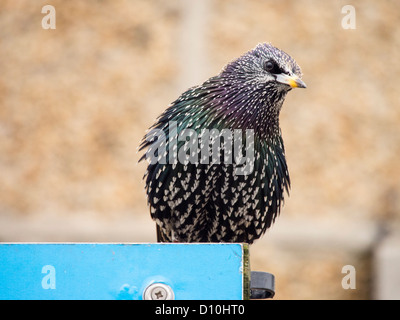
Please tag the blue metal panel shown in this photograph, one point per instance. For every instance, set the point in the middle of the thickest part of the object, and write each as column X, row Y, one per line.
column 120, row 271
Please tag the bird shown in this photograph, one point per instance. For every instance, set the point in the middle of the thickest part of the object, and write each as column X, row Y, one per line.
column 197, row 196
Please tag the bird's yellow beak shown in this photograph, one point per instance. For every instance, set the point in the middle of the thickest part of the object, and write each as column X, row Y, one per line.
column 293, row 81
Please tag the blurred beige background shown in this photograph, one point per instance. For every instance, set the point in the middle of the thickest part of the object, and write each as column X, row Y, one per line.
column 75, row 102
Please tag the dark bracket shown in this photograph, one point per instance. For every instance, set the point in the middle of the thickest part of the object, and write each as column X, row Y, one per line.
column 262, row 285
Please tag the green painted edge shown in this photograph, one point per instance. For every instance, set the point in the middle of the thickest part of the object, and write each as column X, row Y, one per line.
column 246, row 271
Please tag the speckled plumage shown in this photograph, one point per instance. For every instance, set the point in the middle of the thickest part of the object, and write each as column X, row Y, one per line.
column 207, row 201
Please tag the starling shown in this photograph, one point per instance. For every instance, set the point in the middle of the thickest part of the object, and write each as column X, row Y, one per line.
column 196, row 195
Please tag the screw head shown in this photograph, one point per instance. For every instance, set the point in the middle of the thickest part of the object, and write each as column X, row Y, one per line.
column 158, row 291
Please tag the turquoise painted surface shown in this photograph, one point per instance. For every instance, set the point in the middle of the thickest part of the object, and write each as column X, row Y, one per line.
column 119, row 271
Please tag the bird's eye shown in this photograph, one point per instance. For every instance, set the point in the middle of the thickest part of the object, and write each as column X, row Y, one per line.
column 272, row 67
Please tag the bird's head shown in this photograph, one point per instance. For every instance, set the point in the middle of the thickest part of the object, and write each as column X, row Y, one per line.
column 257, row 83
column 267, row 66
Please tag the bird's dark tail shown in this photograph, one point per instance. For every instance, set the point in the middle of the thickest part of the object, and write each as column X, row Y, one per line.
column 160, row 235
